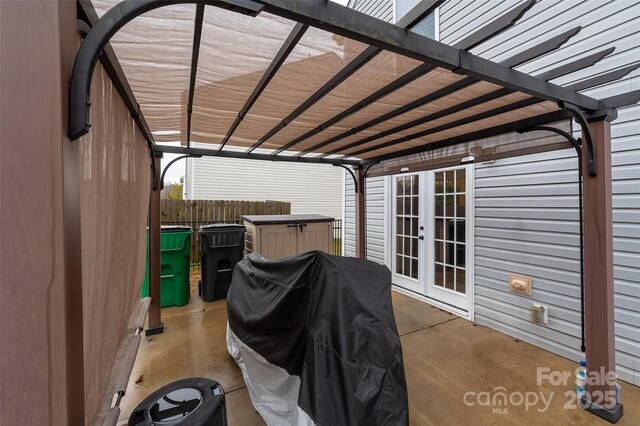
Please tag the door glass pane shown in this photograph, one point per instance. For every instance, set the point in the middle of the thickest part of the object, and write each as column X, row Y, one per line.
column 414, row 268
column 450, row 230
column 407, row 215
column 438, row 278
column 439, row 252
column 460, row 181
column 439, row 205
column 449, row 182
column 460, row 205
column 460, row 281
column 450, row 208
column 448, row 277
column 439, row 229
column 439, row 182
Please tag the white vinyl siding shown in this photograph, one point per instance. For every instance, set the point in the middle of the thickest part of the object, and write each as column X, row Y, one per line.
column 375, row 207
column 526, row 207
column 381, row 9
column 310, row 188
column 375, row 218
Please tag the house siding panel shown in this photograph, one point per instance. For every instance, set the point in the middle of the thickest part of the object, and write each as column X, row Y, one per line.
column 375, row 227
column 381, row 9
column 375, row 198
column 310, row 188
column 526, row 207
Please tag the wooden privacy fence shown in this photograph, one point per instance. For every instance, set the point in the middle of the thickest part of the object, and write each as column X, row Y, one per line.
column 195, row 213
column 211, row 211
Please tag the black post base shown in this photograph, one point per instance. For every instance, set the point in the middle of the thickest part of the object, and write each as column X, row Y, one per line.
column 612, row 415
column 155, row 330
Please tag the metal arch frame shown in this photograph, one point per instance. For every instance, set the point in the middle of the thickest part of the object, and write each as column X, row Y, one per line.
column 353, row 176
column 582, row 121
column 100, row 35
column 181, row 157
column 116, row 74
column 325, row 16
column 577, row 145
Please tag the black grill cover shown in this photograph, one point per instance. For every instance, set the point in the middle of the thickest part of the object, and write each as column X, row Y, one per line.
column 328, row 320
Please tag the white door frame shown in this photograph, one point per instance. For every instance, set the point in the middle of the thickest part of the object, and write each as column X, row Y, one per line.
column 426, row 271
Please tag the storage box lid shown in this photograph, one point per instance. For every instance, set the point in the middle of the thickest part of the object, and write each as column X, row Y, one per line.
column 286, row 218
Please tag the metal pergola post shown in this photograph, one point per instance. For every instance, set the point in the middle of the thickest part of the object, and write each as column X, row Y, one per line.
column 155, row 325
column 361, row 214
column 598, row 275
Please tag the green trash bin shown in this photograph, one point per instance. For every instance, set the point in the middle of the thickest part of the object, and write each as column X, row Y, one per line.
column 175, row 246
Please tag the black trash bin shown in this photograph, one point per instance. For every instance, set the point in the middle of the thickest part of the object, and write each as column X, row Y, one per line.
column 196, row 401
column 221, row 246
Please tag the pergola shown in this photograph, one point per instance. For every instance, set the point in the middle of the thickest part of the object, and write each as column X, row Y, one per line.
column 311, row 81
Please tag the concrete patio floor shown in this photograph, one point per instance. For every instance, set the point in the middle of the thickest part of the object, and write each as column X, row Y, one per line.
column 445, row 357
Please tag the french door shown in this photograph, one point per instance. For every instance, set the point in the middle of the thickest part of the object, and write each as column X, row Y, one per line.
column 432, row 232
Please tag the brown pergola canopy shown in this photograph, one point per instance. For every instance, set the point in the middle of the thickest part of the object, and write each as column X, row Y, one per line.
column 317, row 82
column 313, row 81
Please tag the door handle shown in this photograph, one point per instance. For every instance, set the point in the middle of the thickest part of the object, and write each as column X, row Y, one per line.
column 421, row 237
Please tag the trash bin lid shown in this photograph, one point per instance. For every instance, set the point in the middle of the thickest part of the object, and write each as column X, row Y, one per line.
column 193, row 401
column 175, row 228
column 222, row 226
column 175, row 405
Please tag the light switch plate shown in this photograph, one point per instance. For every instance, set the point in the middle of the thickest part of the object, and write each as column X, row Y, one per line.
column 520, row 284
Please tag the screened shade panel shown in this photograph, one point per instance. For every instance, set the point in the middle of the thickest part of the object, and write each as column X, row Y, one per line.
column 235, row 52
column 483, row 149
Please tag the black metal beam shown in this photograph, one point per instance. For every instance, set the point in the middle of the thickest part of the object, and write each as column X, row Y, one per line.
column 476, row 117
column 490, row 30
column 576, row 65
column 540, row 49
column 252, row 156
column 195, row 54
column 324, row 15
column 346, row 22
column 423, row 120
column 413, row 17
column 402, row 81
column 438, row 94
column 556, row 72
column 418, row 13
column 289, row 44
column 481, row 134
column 365, row 56
column 604, row 78
column 623, row 100
column 495, row 27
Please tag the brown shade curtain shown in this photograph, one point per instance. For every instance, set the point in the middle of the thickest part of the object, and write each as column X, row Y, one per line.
column 155, row 52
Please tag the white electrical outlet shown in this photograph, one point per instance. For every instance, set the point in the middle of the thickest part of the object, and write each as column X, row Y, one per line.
column 539, row 314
